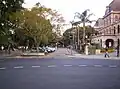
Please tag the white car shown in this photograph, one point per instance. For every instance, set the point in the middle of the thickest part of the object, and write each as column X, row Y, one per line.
column 51, row 49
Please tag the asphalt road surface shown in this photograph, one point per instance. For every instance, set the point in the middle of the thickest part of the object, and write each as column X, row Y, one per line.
column 59, row 73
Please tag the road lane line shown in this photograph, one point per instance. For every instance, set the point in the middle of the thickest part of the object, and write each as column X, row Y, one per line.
column 52, row 66
column 35, row 66
column 67, row 65
column 2, row 68
column 112, row 66
column 18, row 67
column 82, row 65
column 98, row 66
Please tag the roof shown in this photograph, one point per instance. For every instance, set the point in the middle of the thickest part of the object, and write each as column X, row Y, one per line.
column 115, row 5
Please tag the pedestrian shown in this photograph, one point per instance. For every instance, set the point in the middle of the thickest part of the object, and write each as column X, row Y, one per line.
column 106, row 52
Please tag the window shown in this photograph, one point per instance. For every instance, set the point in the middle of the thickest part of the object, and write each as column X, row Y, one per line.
column 118, row 29
column 116, row 18
column 104, row 32
column 110, row 30
column 110, row 19
column 114, row 30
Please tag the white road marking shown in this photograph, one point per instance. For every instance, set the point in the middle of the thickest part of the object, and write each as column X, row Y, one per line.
column 112, row 66
column 52, row 66
column 2, row 68
column 18, row 67
column 67, row 65
column 97, row 65
column 82, row 65
column 35, row 66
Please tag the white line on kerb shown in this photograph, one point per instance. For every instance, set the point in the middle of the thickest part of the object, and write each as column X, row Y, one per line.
column 18, row 67
column 35, row 66
column 52, row 66
column 113, row 66
column 67, row 65
column 82, row 65
column 98, row 65
column 2, row 68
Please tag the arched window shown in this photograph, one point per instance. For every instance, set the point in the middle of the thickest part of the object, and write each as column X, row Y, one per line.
column 118, row 29
column 110, row 31
column 114, row 30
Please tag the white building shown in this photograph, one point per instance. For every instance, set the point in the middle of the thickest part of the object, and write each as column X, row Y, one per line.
column 109, row 26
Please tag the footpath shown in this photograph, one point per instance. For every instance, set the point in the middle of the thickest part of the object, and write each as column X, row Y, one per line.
column 60, row 53
column 64, row 52
column 96, row 56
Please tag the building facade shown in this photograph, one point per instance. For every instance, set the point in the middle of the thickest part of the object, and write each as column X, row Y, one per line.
column 108, row 27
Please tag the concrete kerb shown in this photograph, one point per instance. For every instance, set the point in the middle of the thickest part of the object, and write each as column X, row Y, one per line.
column 22, row 57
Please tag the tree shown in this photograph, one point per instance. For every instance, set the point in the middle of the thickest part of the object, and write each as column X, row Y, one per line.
column 35, row 26
column 7, row 7
column 36, row 23
column 84, row 18
column 32, row 23
column 67, row 36
column 54, row 16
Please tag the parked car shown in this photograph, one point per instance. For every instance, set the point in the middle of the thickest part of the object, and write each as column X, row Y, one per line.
column 44, row 49
column 50, row 49
column 34, row 49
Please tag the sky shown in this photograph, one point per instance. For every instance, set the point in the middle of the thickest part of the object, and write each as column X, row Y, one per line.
column 68, row 7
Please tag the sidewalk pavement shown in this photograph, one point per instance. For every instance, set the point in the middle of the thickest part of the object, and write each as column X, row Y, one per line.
column 3, row 54
column 61, row 52
column 97, row 56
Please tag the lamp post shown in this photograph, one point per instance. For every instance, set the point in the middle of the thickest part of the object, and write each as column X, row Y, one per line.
column 118, row 47
column 86, row 45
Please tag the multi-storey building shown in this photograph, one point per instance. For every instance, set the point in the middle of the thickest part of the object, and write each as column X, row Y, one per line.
column 108, row 27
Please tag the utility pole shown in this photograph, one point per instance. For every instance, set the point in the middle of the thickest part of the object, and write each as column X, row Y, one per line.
column 118, row 47
column 78, row 37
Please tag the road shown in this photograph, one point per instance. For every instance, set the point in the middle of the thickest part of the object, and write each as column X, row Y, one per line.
column 56, row 72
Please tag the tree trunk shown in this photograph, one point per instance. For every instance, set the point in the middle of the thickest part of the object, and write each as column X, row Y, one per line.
column 36, row 44
column 9, row 49
column 83, row 32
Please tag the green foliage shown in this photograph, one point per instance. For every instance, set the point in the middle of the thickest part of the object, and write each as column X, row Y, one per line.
column 110, row 50
column 7, row 7
column 84, row 18
column 36, row 24
column 88, row 30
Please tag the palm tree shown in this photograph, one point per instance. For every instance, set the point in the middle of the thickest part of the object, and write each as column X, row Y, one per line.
column 84, row 18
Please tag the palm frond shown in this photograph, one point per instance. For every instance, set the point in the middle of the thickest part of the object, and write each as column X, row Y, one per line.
column 76, row 23
column 77, row 15
column 90, row 15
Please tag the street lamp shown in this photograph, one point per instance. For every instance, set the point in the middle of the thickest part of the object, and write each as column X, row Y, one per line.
column 86, row 45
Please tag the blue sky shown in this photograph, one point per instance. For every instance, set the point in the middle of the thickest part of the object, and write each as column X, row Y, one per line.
column 68, row 7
